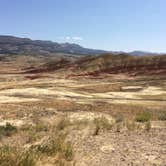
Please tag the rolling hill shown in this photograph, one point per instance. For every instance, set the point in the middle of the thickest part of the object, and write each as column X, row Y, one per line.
column 121, row 63
column 107, row 64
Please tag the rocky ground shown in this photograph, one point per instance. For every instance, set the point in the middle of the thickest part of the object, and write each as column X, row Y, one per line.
column 123, row 148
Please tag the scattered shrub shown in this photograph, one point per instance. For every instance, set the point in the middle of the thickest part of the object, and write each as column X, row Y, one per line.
column 49, row 148
column 7, row 130
column 143, row 117
column 162, row 116
column 6, row 156
column 56, row 146
column 27, row 158
column 67, row 151
column 15, row 157
column 101, row 124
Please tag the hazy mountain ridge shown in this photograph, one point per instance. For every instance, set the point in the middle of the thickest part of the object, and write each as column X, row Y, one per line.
column 16, row 45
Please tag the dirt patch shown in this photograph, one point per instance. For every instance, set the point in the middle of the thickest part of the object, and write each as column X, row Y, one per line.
column 89, row 116
column 8, row 99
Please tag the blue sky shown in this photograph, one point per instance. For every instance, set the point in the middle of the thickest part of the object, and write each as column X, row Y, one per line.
column 104, row 24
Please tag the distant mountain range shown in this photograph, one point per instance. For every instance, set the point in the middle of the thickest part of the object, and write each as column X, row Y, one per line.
column 16, row 45
column 136, row 53
column 143, row 53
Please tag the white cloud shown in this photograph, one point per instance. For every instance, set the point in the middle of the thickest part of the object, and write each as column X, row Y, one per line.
column 77, row 38
column 71, row 38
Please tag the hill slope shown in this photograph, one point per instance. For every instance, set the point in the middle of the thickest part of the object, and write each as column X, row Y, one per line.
column 107, row 64
column 122, row 63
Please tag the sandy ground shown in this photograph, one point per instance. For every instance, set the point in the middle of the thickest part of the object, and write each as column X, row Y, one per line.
column 28, row 91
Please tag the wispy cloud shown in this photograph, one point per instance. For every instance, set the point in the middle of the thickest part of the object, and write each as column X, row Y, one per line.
column 78, row 38
column 71, row 38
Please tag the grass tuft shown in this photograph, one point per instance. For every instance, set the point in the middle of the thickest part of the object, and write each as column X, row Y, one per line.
column 148, row 126
column 56, row 145
column 101, row 124
column 162, row 116
column 16, row 157
column 131, row 125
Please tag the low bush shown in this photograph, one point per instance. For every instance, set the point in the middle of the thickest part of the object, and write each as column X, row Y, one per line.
column 7, row 130
column 143, row 117
column 101, row 124
column 56, row 145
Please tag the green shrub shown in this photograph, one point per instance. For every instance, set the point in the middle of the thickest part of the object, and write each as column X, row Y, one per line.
column 101, row 124
column 143, row 117
column 7, row 130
